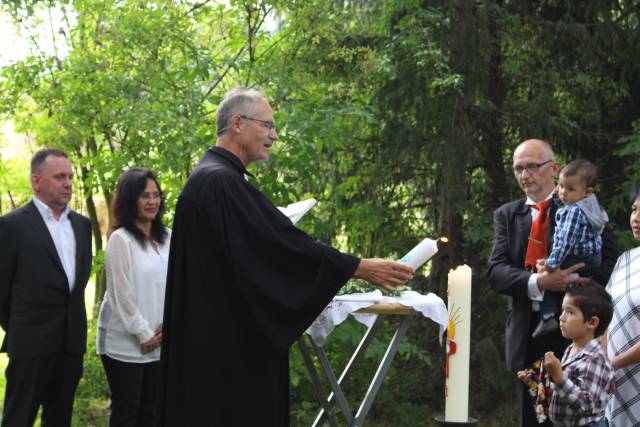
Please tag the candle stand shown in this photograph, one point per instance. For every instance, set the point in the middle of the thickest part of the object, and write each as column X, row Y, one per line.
column 337, row 394
column 440, row 420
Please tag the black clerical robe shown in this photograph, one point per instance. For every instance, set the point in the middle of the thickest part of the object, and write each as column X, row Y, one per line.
column 243, row 284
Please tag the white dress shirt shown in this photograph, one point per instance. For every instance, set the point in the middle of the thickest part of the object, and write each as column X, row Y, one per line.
column 132, row 308
column 63, row 237
column 536, row 295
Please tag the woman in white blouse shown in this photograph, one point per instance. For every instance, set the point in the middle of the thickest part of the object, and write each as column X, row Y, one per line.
column 130, row 322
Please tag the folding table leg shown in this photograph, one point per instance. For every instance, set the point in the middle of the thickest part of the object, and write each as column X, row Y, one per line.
column 333, row 381
column 357, row 355
column 382, row 371
column 318, row 388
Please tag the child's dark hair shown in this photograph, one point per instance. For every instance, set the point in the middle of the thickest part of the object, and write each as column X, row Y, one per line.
column 593, row 300
column 586, row 170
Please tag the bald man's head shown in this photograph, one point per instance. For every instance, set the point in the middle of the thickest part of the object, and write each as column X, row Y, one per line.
column 535, row 167
column 536, row 144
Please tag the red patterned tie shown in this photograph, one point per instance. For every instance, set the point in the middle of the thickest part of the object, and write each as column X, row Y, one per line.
column 537, row 247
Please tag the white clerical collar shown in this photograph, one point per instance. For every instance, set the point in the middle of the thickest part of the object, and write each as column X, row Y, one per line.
column 47, row 212
column 530, row 202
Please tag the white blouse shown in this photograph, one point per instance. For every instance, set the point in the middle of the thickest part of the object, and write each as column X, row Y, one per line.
column 133, row 306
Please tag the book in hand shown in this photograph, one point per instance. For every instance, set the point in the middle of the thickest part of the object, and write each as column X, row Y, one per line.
column 295, row 211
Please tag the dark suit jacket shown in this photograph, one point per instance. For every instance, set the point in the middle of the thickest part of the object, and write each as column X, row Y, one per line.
column 39, row 314
column 512, row 224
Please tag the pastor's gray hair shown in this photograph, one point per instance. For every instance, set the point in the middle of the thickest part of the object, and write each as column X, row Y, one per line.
column 236, row 102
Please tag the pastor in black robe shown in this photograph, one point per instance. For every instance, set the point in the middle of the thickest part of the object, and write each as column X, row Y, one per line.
column 243, row 284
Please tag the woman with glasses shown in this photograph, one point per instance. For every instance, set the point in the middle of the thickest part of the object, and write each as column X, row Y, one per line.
column 130, row 322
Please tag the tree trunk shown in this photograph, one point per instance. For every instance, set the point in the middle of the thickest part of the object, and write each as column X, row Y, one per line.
column 458, row 136
column 13, row 203
column 100, row 284
column 492, row 145
column 101, row 277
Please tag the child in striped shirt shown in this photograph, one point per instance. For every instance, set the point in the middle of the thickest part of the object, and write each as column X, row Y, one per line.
column 581, row 381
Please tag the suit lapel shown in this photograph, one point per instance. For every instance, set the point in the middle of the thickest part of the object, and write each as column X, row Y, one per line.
column 522, row 223
column 40, row 229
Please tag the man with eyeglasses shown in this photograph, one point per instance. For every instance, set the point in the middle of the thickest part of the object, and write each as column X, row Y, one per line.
column 243, row 284
column 523, row 232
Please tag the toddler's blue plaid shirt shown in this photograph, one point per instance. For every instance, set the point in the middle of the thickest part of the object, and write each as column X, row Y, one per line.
column 573, row 236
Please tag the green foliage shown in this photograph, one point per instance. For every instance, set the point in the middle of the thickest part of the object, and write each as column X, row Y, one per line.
column 15, row 187
column 93, row 384
column 339, row 346
column 92, row 395
column 399, row 116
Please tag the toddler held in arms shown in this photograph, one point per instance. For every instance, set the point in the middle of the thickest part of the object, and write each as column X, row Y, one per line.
column 577, row 236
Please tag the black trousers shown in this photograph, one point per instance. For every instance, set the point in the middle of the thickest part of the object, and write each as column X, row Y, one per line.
column 537, row 347
column 50, row 382
column 134, row 388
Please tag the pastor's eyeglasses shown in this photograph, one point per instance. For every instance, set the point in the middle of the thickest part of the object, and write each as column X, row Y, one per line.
column 267, row 124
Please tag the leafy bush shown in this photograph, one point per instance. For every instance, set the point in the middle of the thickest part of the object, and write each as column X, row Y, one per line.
column 92, row 397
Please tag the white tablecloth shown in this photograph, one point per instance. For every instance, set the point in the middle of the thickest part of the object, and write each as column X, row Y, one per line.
column 430, row 306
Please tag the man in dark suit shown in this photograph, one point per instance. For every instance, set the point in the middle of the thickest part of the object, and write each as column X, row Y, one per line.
column 45, row 263
column 535, row 167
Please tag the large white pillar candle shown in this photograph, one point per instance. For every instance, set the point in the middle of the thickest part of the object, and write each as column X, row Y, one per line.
column 458, row 343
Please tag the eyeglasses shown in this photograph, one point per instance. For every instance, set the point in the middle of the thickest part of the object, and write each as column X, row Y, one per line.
column 530, row 168
column 267, row 124
column 149, row 196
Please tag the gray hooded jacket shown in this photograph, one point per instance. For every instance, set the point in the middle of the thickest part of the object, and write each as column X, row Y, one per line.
column 596, row 216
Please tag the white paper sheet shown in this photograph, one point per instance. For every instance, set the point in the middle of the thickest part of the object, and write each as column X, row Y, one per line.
column 295, row 211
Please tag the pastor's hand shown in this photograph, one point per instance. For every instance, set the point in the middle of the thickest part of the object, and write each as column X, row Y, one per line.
column 383, row 273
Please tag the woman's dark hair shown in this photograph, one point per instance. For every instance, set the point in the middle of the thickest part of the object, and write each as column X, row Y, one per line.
column 635, row 193
column 131, row 185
